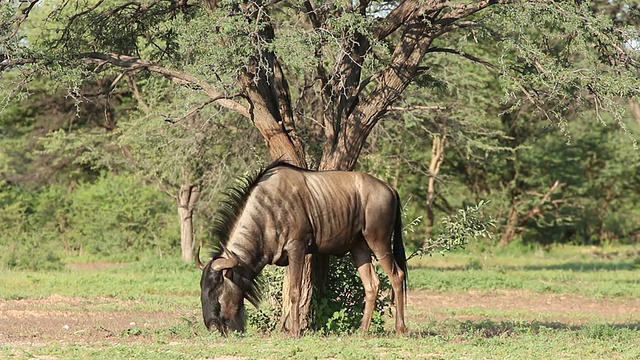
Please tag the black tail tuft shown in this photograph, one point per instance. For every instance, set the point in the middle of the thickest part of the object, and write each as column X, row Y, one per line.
column 398, row 246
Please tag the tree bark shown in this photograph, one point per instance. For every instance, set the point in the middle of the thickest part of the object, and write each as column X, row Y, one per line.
column 187, row 198
column 511, row 226
column 635, row 110
column 437, row 157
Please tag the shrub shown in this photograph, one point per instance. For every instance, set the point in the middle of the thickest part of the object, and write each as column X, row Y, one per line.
column 116, row 217
column 267, row 317
column 29, row 252
column 338, row 310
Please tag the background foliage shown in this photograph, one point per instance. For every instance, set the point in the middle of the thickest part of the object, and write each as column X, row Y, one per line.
column 540, row 119
column 85, row 163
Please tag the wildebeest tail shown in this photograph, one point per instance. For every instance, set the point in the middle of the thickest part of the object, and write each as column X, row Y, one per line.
column 398, row 246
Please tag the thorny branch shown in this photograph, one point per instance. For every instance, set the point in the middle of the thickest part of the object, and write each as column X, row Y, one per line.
column 490, row 66
column 133, row 63
column 18, row 19
column 417, row 107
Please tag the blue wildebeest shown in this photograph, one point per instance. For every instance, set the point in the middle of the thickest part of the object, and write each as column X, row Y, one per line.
column 286, row 212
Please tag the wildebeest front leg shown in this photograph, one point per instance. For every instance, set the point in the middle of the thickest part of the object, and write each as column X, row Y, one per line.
column 295, row 269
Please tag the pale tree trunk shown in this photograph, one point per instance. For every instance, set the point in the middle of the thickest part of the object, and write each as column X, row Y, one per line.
column 635, row 110
column 396, row 170
column 187, row 197
column 306, row 295
column 511, row 226
column 437, row 157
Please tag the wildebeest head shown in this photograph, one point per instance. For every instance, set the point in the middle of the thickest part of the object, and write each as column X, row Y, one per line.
column 222, row 294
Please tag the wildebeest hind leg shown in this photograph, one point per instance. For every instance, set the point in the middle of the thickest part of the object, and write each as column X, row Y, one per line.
column 396, row 275
column 362, row 258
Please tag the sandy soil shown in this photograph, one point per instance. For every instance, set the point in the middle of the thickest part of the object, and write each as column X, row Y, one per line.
column 569, row 309
column 69, row 319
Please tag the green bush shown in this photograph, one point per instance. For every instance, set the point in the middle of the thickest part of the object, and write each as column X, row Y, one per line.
column 28, row 252
column 340, row 308
column 267, row 317
column 116, row 217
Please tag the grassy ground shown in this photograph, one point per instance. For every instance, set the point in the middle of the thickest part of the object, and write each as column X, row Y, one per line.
column 568, row 303
column 593, row 272
column 516, row 343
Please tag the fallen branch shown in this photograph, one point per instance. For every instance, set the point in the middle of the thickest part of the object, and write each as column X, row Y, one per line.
column 537, row 209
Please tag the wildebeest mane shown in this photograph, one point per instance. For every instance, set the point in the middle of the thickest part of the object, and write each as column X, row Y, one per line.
column 229, row 211
column 236, row 198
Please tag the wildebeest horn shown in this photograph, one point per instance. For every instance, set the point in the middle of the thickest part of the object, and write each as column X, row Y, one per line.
column 223, row 263
column 199, row 264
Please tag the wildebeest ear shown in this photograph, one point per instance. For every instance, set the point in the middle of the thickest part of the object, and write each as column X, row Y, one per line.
column 223, row 263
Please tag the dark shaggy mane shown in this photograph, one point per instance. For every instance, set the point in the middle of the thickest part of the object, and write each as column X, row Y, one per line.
column 232, row 206
column 252, row 287
column 229, row 211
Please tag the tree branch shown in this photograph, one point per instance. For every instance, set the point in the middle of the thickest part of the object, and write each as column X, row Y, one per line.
column 18, row 19
column 312, row 14
column 8, row 64
column 138, row 95
column 396, row 18
column 465, row 55
column 459, row 11
column 416, row 107
column 190, row 112
column 133, row 63
column 536, row 210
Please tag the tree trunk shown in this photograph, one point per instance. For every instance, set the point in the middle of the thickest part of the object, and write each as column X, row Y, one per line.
column 187, row 198
column 510, row 228
column 437, row 157
column 306, row 295
column 635, row 110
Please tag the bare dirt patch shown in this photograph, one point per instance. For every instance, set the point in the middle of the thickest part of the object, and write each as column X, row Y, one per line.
column 569, row 309
column 27, row 322
column 74, row 319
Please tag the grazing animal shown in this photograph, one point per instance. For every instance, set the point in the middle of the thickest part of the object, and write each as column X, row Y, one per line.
column 286, row 212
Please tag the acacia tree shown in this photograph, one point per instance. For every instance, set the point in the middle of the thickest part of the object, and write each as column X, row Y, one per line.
column 316, row 77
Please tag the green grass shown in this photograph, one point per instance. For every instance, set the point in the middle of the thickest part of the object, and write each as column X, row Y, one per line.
column 570, row 270
column 450, row 340
column 567, row 270
column 166, row 285
column 159, row 284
